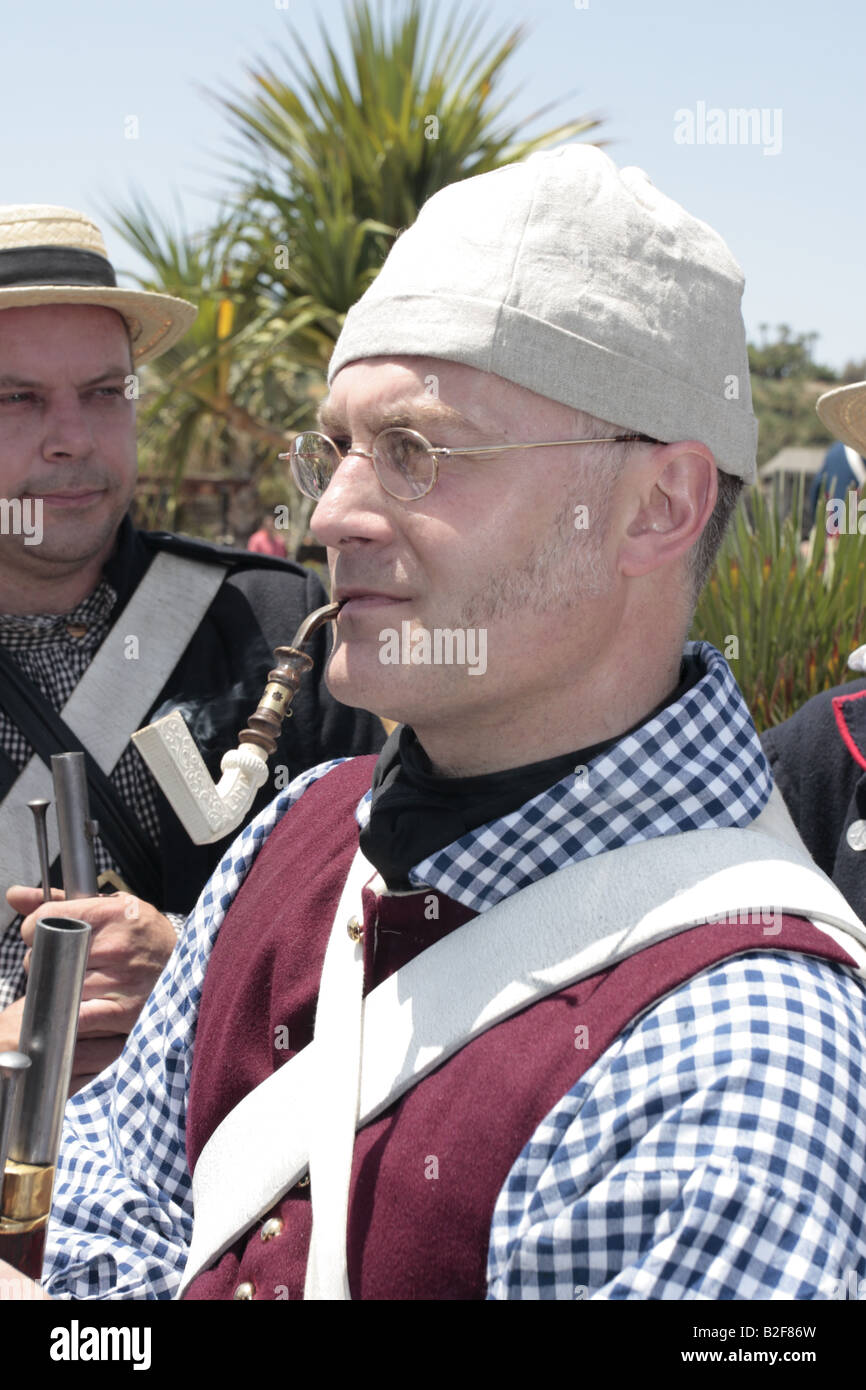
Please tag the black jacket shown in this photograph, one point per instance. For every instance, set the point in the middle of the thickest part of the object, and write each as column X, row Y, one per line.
column 220, row 678
column 818, row 757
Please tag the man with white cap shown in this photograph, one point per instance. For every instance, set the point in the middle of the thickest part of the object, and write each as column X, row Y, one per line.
column 524, row 1061
column 101, row 624
column 818, row 756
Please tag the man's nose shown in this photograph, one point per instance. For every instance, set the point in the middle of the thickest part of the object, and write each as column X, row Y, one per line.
column 353, row 504
column 67, row 432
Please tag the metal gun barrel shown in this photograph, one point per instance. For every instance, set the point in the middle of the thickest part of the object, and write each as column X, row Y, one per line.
column 73, row 822
column 13, row 1066
column 34, row 1083
column 48, row 1031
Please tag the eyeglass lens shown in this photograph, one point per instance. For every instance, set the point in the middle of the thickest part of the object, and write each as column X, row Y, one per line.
column 403, row 464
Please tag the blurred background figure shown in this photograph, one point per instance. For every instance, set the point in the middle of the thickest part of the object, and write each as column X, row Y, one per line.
column 842, row 469
column 818, row 756
column 268, row 540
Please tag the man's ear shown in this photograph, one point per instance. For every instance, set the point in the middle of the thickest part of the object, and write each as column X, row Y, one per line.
column 674, row 493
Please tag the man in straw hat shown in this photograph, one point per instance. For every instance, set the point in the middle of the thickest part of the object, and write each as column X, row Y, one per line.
column 531, row 1057
column 818, row 756
column 197, row 628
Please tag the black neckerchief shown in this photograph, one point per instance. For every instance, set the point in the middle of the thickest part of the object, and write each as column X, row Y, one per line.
column 415, row 812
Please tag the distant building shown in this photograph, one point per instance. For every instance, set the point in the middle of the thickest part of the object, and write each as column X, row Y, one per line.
column 792, row 464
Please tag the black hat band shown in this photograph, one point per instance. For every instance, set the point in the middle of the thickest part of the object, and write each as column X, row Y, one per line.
column 54, row 265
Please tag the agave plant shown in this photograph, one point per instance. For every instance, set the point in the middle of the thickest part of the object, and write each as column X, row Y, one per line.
column 787, row 614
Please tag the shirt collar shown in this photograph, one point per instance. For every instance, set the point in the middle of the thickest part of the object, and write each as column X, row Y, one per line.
column 121, row 572
column 696, row 764
column 39, row 629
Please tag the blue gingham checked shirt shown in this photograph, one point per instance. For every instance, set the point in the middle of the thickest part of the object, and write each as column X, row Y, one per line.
column 716, row 1150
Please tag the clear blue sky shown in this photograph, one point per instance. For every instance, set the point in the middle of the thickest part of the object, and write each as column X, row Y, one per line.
column 795, row 219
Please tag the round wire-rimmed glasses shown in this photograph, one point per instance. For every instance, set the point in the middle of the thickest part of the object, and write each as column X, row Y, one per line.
column 406, row 464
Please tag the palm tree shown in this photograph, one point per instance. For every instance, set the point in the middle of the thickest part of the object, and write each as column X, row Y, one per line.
column 203, row 405
column 333, row 165
column 338, row 163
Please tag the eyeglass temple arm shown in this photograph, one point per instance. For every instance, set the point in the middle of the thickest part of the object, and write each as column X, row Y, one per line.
column 500, row 448
column 552, row 444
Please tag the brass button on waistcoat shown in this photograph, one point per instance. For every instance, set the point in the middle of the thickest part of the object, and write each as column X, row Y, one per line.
column 355, row 930
column 271, row 1228
column 244, row 1292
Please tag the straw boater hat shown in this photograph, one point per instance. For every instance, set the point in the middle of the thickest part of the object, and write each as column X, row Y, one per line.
column 52, row 255
column 843, row 411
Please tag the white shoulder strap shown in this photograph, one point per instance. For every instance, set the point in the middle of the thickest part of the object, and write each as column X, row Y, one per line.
column 338, row 1052
column 115, row 693
column 564, row 928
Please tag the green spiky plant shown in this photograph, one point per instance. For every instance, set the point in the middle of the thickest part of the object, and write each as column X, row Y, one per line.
column 787, row 613
column 340, row 160
column 201, row 403
column 334, row 162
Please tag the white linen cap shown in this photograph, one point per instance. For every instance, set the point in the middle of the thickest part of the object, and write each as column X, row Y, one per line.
column 583, row 283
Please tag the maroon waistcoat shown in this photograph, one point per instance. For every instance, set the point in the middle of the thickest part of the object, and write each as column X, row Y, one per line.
column 427, row 1172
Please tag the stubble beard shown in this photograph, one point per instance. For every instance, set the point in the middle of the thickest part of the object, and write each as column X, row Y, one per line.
column 560, row 572
column 69, row 541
